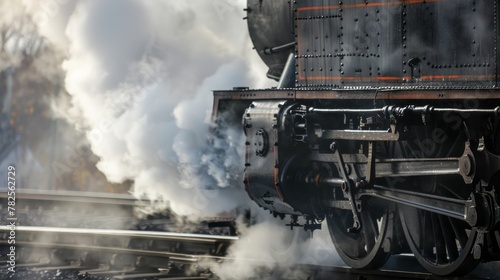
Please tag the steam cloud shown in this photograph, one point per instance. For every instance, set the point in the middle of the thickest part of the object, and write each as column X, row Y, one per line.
column 270, row 250
column 140, row 76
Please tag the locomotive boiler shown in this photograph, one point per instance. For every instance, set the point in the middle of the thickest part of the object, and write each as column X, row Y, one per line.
column 385, row 122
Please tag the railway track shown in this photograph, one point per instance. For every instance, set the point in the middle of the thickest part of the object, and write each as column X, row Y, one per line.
column 117, row 254
column 73, row 209
column 68, row 253
column 76, row 209
column 103, row 253
column 39, row 197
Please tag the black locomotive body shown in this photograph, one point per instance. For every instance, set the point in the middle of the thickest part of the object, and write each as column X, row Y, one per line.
column 385, row 122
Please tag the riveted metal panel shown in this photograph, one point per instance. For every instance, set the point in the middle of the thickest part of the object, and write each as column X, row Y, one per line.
column 453, row 41
column 389, row 43
column 270, row 25
column 348, row 44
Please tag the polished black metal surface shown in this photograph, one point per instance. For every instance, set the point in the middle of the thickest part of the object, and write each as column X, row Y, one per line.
column 396, row 43
column 270, row 24
column 262, row 158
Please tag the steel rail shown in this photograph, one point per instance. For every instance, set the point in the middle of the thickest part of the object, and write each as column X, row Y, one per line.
column 158, row 258
column 74, row 196
column 122, row 251
column 205, row 238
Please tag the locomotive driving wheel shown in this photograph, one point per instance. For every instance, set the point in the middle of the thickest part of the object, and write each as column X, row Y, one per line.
column 363, row 249
column 441, row 244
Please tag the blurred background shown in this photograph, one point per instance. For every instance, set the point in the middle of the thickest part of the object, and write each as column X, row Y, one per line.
column 32, row 136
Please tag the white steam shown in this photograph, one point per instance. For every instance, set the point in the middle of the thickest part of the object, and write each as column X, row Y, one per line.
column 140, row 74
column 270, row 250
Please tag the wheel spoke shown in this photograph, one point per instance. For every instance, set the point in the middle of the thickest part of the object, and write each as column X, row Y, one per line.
column 359, row 249
column 459, row 232
column 370, row 231
column 449, row 238
column 428, row 239
column 362, row 250
column 439, row 242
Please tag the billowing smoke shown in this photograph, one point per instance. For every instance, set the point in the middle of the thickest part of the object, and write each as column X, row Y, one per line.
column 270, row 250
column 140, row 76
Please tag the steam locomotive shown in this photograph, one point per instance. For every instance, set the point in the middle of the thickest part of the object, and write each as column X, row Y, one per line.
column 385, row 122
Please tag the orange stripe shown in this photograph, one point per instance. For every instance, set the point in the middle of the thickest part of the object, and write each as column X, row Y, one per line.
column 388, row 78
column 247, row 186
column 377, row 4
column 454, row 77
column 392, row 78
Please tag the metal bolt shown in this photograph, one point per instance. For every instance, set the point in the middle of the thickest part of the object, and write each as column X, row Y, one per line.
column 359, row 185
column 333, row 147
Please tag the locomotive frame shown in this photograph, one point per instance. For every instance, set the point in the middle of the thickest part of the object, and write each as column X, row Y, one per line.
column 397, row 148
